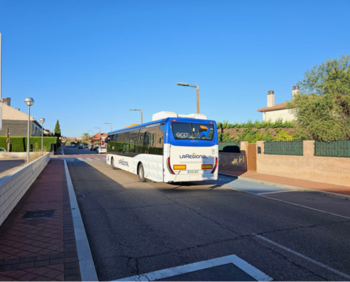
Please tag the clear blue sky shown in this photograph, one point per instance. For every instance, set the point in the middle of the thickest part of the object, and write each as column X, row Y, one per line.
column 87, row 62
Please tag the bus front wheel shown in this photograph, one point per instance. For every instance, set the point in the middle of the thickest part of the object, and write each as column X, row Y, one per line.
column 112, row 163
column 141, row 173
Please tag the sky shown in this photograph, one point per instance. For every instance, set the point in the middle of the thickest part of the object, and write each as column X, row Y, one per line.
column 88, row 62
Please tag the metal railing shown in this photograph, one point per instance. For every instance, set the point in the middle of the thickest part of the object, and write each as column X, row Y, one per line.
column 339, row 149
column 291, row 148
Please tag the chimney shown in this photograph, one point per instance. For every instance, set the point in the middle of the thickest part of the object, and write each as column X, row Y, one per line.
column 7, row 101
column 270, row 98
column 295, row 91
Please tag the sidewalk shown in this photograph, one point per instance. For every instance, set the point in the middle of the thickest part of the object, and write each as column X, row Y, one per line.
column 41, row 245
column 285, row 181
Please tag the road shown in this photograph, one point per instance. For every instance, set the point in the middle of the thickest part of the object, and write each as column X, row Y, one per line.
column 138, row 228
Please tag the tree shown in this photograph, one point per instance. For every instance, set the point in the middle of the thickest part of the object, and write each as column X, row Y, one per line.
column 85, row 138
column 322, row 109
column 57, row 131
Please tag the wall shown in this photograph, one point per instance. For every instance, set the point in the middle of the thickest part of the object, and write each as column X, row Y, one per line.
column 285, row 114
column 307, row 167
column 18, row 127
column 14, row 185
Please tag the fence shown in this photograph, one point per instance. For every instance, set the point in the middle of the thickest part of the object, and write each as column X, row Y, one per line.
column 333, row 149
column 230, row 147
column 292, row 148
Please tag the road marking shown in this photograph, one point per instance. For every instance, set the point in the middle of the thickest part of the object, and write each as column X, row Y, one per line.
column 306, row 258
column 187, row 268
column 342, row 216
column 290, row 203
column 275, row 192
column 86, row 262
column 88, row 159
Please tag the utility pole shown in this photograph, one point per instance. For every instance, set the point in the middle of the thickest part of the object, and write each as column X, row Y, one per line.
column 8, row 139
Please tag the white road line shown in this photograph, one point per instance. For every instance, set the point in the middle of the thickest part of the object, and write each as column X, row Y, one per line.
column 86, row 263
column 88, row 159
column 346, row 276
column 80, row 159
column 342, row 216
column 275, row 192
column 187, row 268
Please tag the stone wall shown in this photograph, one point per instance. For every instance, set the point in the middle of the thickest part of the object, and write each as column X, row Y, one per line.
column 15, row 184
column 307, row 167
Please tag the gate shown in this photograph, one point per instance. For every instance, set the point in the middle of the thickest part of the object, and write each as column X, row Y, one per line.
column 251, row 157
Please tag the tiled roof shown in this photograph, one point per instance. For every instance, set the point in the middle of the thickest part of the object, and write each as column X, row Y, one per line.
column 281, row 106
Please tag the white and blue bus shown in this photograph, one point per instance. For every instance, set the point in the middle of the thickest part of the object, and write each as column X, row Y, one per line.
column 171, row 148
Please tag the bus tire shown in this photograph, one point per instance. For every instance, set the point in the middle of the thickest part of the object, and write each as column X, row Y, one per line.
column 141, row 173
column 112, row 163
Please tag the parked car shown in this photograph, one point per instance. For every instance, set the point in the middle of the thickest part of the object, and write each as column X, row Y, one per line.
column 80, row 147
column 3, row 150
column 101, row 149
column 73, row 145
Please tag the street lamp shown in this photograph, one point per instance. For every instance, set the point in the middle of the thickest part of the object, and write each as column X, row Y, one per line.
column 42, row 120
column 110, row 124
column 29, row 102
column 138, row 111
column 186, row 84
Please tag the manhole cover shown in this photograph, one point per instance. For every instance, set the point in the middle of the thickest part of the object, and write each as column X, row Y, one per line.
column 35, row 214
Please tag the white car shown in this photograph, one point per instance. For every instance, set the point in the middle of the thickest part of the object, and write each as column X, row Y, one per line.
column 101, row 150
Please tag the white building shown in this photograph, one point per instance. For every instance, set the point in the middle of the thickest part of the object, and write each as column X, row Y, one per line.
column 279, row 111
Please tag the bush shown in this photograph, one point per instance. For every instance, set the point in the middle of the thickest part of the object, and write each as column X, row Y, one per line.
column 19, row 144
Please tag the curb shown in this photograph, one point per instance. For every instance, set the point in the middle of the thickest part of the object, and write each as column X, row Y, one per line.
column 298, row 188
column 86, row 263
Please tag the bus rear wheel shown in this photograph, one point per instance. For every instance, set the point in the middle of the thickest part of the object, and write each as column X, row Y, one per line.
column 141, row 173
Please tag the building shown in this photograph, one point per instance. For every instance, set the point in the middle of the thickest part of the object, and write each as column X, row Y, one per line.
column 17, row 121
column 47, row 132
column 279, row 111
column 98, row 137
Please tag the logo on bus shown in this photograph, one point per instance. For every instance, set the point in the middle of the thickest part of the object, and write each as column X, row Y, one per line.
column 193, row 156
column 124, row 163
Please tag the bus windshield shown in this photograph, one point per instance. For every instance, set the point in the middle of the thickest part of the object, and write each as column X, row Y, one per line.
column 192, row 131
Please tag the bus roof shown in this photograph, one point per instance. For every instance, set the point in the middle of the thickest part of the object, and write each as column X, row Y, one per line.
column 144, row 125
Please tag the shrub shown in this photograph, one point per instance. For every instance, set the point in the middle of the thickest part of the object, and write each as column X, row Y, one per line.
column 19, row 144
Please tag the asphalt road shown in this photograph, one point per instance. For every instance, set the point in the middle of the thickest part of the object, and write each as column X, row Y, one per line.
column 135, row 228
column 75, row 151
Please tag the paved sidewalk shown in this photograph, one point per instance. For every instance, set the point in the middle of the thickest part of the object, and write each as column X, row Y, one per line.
column 41, row 248
column 278, row 180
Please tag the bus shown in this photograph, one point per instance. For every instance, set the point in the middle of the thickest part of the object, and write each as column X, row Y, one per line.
column 171, row 148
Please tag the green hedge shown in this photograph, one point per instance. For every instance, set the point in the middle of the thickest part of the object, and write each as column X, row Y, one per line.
column 19, row 144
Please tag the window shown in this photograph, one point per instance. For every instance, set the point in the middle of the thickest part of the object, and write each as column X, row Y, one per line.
column 192, row 131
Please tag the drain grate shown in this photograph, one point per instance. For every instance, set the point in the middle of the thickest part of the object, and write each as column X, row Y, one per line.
column 35, row 214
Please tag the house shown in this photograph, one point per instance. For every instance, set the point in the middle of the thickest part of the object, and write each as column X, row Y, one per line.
column 279, row 111
column 17, row 121
column 98, row 137
column 47, row 132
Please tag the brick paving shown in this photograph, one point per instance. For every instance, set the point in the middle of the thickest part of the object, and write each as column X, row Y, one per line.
column 41, row 248
column 290, row 181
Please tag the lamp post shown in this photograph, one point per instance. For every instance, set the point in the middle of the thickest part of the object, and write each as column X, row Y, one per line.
column 138, row 111
column 42, row 120
column 189, row 85
column 110, row 124
column 29, row 102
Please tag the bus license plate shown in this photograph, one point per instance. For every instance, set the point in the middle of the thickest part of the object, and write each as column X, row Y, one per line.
column 193, row 171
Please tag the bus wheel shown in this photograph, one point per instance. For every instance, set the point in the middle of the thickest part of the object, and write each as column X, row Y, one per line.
column 112, row 163
column 141, row 173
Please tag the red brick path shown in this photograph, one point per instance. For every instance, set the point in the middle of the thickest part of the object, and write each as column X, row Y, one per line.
column 291, row 181
column 41, row 248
